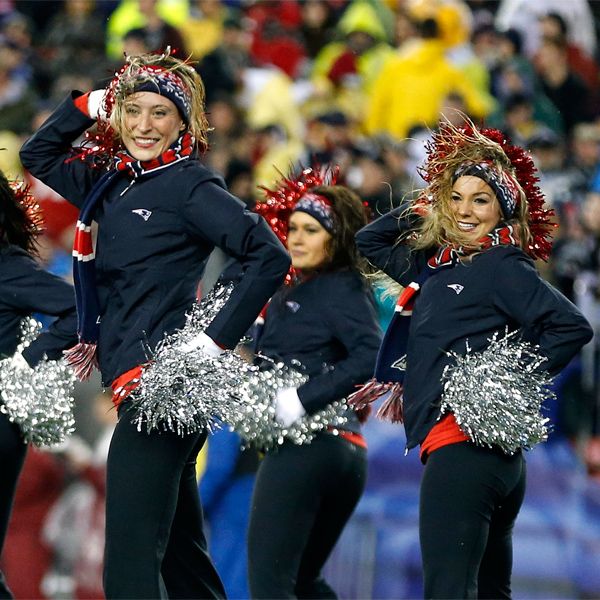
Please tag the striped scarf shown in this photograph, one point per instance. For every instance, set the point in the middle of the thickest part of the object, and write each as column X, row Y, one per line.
column 391, row 360
column 83, row 356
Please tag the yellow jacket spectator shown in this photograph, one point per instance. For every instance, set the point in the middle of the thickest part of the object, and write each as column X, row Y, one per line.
column 345, row 70
column 128, row 15
column 203, row 30
column 412, row 87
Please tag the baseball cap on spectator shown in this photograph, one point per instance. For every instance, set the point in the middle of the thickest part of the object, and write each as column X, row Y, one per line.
column 544, row 138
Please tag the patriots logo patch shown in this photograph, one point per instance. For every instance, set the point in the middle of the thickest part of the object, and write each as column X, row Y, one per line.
column 456, row 287
column 293, row 306
column 400, row 364
column 143, row 212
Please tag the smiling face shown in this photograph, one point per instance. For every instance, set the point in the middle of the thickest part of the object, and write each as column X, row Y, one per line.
column 307, row 241
column 475, row 207
column 151, row 123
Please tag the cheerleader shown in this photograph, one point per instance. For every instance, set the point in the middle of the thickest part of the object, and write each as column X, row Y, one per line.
column 326, row 322
column 463, row 253
column 25, row 288
column 160, row 213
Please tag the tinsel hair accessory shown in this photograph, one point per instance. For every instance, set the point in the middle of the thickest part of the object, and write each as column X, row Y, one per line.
column 451, row 147
column 21, row 220
column 503, row 184
column 39, row 400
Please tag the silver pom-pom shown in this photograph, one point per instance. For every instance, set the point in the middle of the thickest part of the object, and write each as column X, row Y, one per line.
column 38, row 400
column 496, row 395
column 255, row 418
column 185, row 392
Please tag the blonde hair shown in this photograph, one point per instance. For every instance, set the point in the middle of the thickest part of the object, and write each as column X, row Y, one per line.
column 439, row 225
column 134, row 73
column 452, row 147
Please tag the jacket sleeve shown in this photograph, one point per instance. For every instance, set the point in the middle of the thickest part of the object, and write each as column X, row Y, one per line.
column 350, row 313
column 47, row 153
column 555, row 323
column 378, row 242
column 30, row 289
column 214, row 214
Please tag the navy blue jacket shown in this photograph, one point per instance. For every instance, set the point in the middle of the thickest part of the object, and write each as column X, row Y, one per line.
column 328, row 323
column 500, row 288
column 153, row 242
column 25, row 288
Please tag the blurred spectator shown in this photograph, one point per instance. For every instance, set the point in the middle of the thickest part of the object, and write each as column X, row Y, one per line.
column 328, row 139
column 515, row 77
column 565, row 89
column 370, row 178
column 274, row 153
column 226, row 491
column 222, row 69
column 345, row 70
column 75, row 525
column 275, row 35
column 524, row 15
column 74, row 40
column 517, row 119
column 202, row 31
column 453, row 17
column 27, row 558
column 584, row 158
column 413, row 85
column 17, row 98
column 158, row 33
column 553, row 25
column 317, row 25
column 159, row 19
column 134, row 43
column 549, row 155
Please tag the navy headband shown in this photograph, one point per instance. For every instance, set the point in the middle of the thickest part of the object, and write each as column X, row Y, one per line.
column 503, row 184
column 167, row 84
column 319, row 208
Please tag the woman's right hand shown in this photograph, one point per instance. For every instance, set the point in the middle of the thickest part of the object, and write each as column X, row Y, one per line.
column 95, row 105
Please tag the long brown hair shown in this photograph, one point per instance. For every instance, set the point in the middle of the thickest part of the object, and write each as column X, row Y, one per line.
column 20, row 219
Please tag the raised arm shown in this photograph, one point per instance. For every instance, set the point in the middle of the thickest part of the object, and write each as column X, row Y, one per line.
column 47, row 154
column 378, row 242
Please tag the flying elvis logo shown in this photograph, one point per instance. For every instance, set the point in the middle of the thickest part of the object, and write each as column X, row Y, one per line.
column 143, row 212
column 456, row 287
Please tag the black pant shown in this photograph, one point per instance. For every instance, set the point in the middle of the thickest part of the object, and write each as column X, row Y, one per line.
column 470, row 499
column 155, row 544
column 303, row 498
column 12, row 456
